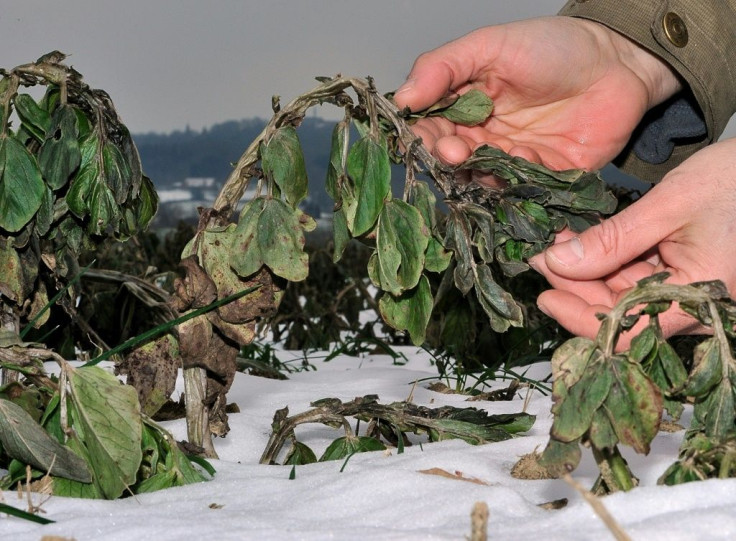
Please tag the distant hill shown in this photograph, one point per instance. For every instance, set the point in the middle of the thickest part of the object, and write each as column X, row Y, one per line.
column 171, row 159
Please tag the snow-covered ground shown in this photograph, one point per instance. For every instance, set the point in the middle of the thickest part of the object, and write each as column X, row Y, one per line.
column 380, row 495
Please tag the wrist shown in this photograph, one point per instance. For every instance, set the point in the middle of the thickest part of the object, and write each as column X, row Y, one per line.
column 657, row 76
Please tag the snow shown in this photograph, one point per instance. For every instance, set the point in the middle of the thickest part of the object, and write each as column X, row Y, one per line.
column 384, row 496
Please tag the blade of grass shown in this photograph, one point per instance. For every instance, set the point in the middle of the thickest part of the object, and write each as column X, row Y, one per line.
column 15, row 512
column 161, row 329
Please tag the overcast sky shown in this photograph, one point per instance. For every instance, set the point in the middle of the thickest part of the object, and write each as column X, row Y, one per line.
column 169, row 64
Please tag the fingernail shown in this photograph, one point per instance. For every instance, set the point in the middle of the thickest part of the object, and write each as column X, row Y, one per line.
column 533, row 262
column 408, row 85
column 543, row 309
column 567, row 253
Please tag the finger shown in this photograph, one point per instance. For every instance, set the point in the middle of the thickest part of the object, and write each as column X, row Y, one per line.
column 581, row 318
column 608, row 246
column 440, row 71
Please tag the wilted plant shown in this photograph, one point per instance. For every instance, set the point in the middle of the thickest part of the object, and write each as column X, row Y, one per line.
column 488, row 232
column 70, row 176
column 603, row 398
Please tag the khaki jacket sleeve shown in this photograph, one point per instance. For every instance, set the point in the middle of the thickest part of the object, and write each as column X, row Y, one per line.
column 698, row 39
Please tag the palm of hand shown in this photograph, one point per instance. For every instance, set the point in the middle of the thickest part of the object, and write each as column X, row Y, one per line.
column 557, row 85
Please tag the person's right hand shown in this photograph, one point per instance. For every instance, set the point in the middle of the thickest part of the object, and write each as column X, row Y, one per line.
column 568, row 92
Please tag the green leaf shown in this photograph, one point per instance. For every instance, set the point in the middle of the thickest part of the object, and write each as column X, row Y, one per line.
column 349, row 445
column 643, row 344
column 707, row 369
column 719, row 412
column 23, row 438
column 601, row 433
column 34, row 118
column 336, row 167
column 401, row 241
column 89, row 193
column 283, row 161
column 369, row 170
column 300, row 454
column 146, row 203
column 21, row 186
column 410, row 311
column 108, row 418
column 271, row 233
column 634, row 404
column 470, row 109
column 574, row 412
column 341, row 235
column 60, row 156
column 116, row 173
column 497, row 303
column 436, row 259
column 559, row 458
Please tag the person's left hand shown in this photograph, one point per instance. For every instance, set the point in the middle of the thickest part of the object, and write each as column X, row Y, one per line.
column 685, row 225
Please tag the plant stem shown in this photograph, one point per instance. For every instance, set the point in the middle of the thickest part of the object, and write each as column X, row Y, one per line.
column 615, row 472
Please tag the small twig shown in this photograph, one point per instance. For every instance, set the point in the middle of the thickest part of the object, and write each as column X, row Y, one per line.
column 479, row 522
column 598, row 508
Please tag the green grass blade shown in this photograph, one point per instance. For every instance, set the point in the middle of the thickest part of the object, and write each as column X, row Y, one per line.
column 15, row 512
column 164, row 327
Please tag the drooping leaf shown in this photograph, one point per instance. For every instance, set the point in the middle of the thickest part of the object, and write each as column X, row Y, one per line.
column 470, row 109
column 60, row 156
column 634, row 404
column 22, row 438
column 341, row 235
column 12, row 279
column 719, row 411
column 707, row 369
column 34, row 118
column 300, row 454
column 401, row 242
column 116, row 173
column 574, row 413
column 271, row 233
column 457, row 239
column 283, row 161
column 89, row 193
column 21, row 186
column 146, row 203
column 369, row 170
column 108, row 418
column 336, row 167
column 560, row 457
column 410, row 311
column 348, row 445
column 601, row 433
column 497, row 303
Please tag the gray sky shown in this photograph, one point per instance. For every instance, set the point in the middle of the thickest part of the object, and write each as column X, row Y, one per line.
column 168, row 64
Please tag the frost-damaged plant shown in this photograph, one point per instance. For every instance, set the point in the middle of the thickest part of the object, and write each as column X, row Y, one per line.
column 84, row 429
column 417, row 258
column 388, row 422
column 70, row 176
column 603, row 398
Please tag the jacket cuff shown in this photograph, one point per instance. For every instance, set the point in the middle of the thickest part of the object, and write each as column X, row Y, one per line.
column 697, row 40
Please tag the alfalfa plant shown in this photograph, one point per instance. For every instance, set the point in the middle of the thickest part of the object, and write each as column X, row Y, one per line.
column 603, row 397
column 417, row 259
column 70, row 177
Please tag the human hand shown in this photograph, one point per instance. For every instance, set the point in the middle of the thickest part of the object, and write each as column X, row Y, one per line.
column 685, row 225
column 568, row 92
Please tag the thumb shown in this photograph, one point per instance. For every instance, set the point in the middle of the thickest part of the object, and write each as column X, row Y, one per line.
column 606, row 247
column 440, row 71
